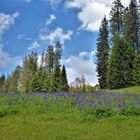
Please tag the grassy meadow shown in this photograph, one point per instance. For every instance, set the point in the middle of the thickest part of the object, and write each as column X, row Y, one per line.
column 64, row 116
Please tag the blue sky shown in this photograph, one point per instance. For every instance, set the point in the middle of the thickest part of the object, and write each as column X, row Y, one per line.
column 31, row 25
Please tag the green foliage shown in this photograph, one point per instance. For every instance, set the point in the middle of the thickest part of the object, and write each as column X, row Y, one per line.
column 28, row 70
column 64, row 82
column 121, row 64
column 15, row 80
column 103, row 53
column 116, row 18
column 131, row 28
column 136, row 70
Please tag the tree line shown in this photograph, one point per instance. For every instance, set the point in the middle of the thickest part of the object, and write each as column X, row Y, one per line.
column 48, row 76
column 118, row 47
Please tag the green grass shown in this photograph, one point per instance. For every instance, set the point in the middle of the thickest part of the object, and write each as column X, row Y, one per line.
column 62, row 127
column 30, row 118
column 134, row 89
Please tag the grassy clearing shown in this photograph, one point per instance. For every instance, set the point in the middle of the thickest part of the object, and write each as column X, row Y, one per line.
column 25, row 117
column 61, row 127
column 134, row 89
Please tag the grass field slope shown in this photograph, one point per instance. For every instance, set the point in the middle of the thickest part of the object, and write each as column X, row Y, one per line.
column 63, row 116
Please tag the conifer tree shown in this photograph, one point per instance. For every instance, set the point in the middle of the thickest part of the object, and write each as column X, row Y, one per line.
column 136, row 70
column 28, row 70
column 57, row 54
column 15, row 80
column 121, row 64
column 116, row 18
column 64, row 82
column 2, row 81
column 49, row 59
column 131, row 26
column 103, row 53
column 57, row 79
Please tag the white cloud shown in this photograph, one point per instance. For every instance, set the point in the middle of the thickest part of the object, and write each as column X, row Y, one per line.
column 6, row 60
column 50, row 20
column 6, row 21
column 82, row 65
column 91, row 12
column 34, row 45
column 54, row 3
column 57, row 35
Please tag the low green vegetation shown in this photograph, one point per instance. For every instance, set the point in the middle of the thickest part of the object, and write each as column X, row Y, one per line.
column 64, row 116
column 134, row 89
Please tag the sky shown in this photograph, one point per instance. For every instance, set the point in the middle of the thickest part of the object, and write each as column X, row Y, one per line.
column 31, row 25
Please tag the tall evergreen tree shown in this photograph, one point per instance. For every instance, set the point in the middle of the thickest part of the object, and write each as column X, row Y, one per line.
column 57, row 54
column 28, row 70
column 15, row 80
column 2, row 80
column 103, row 53
column 121, row 64
column 136, row 70
column 49, row 59
column 64, row 82
column 116, row 18
column 131, row 26
column 57, row 79
column 7, row 84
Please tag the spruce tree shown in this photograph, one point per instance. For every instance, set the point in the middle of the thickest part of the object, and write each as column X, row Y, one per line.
column 15, row 80
column 49, row 59
column 57, row 54
column 121, row 64
column 2, row 81
column 103, row 53
column 28, row 70
column 57, row 79
column 116, row 18
column 64, row 82
column 136, row 70
column 131, row 26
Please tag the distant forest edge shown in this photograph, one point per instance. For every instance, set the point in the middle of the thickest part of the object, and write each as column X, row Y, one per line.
column 118, row 59
column 46, row 75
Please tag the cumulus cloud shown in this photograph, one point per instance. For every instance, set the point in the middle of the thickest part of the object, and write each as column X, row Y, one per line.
column 82, row 64
column 51, row 19
column 57, row 34
column 6, row 21
column 91, row 12
column 6, row 60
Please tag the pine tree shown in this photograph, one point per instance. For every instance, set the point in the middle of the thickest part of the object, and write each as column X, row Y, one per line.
column 121, row 64
column 7, row 83
column 64, row 82
column 15, row 80
column 38, row 83
column 28, row 70
column 131, row 26
column 57, row 54
column 57, row 79
column 116, row 19
column 136, row 70
column 2, row 81
column 49, row 59
column 103, row 53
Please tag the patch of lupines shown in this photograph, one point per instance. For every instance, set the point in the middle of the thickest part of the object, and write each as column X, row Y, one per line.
column 126, row 104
